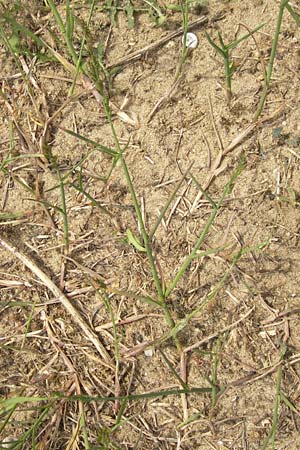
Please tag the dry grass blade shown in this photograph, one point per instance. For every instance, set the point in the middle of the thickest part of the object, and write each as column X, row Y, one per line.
column 62, row 298
column 155, row 45
column 164, row 99
column 44, row 137
column 216, row 166
column 214, row 335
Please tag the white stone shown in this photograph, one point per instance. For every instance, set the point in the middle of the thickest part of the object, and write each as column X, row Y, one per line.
column 191, row 40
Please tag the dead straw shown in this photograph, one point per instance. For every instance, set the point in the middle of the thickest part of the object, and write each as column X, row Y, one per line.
column 91, row 335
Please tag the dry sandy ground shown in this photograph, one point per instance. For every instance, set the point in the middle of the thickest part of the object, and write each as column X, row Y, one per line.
column 43, row 351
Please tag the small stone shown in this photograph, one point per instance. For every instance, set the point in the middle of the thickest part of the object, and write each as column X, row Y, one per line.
column 191, row 40
column 148, row 352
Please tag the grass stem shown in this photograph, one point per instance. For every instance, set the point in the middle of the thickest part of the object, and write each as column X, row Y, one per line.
column 261, row 104
column 271, row 435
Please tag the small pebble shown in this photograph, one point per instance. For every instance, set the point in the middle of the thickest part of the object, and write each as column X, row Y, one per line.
column 191, row 40
column 148, row 352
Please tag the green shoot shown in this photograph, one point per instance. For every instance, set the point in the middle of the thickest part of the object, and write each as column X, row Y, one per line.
column 272, row 433
column 283, row 5
column 185, row 50
column 111, row 5
column 293, row 13
column 67, row 28
column 156, row 12
column 224, row 51
column 209, row 223
column 129, row 11
column 214, row 378
column 191, row 4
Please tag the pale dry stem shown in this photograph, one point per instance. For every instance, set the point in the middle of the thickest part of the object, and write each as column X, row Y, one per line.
column 216, row 166
column 90, row 334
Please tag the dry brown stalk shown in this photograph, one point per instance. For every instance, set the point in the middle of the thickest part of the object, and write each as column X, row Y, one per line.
column 132, row 57
column 294, row 359
column 164, row 99
column 67, row 304
column 223, row 330
column 216, row 166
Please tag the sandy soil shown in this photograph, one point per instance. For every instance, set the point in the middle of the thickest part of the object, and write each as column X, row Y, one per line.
column 43, row 351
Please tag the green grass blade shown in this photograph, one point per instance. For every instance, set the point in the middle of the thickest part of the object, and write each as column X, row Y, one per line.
column 174, row 372
column 271, row 435
column 142, row 298
column 214, row 378
column 7, row 419
column 12, row 402
column 101, row 148
column 107, row 303
column 79, row 60
column 83, row 427
column 142, row 396
column 112, row 6
column 70, row 31
column 18, row 27
column 205, row 230
column 288, row 403
column 211, row 251
column 120, row 414
column 184, row 322
column 294, row 15
column 8, row 404
column 13, row 215
column 129, row 10
column 63, row 208
column 263, row 97
column 215, row 46
column 158, row 14
column 91, row 199
column 235, row 43
column 203, row 191
column 139, row 216
column 57, row 16
column 73, row 169
column 69, row 23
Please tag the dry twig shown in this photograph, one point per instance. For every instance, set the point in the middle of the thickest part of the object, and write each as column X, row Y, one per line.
column 62, row 298
column 132, row 57
column 214, row 335
column 216, row 166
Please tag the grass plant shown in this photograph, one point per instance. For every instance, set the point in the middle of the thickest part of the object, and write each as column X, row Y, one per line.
column 224, row 51
column 284, row 5
column 275, row 419
column 86, row 67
